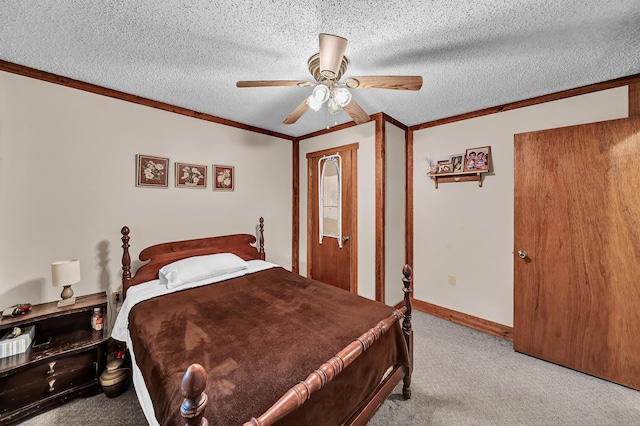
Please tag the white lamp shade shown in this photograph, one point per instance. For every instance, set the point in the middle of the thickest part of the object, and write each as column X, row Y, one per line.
column 65, row 272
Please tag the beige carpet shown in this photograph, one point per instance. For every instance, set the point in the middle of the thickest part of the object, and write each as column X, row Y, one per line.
column 461, row 377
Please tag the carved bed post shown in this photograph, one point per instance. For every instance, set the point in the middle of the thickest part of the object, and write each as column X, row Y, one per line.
column 126, row 260
column 261, row 250
column 192, row 387
column 406, row 328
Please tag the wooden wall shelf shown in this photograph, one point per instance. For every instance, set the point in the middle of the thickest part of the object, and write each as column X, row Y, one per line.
column 475, row 176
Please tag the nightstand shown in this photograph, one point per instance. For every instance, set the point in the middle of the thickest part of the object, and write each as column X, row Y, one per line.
column 68, row 366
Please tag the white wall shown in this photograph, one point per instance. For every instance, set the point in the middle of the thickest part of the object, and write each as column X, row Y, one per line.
column 467, row 231
column 67, row 185
column 364, row 135
column 395, row 190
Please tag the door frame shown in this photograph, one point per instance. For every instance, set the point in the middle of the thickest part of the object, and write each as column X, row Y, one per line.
column 353, row 210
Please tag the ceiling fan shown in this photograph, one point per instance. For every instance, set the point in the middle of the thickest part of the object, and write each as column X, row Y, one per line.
column 327, row 67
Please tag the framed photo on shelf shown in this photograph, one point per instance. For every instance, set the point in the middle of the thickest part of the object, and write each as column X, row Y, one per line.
column 477, row 158
column 457, row 160
column 152, row 171
column 191, row 176
column 223, row 178
column 445, row 167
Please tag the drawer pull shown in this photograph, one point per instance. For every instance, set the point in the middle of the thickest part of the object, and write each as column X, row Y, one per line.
column 51, row 370
column 51, row 383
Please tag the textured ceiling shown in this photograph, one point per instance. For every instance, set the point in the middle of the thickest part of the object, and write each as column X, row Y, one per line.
column 190, row 53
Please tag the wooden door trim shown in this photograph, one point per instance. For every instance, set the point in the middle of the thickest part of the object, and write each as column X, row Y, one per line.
column 308, row 218
column 634, row 99
column 331, row 151
column 354, row 216
column 380, row 170
column 408, row 215
column 353, row 285
column 295, row 207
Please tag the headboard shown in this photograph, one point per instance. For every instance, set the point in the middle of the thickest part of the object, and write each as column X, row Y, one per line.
column 159, row 255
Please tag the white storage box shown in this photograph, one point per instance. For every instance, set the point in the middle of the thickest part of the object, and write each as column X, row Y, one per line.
column 18, row 344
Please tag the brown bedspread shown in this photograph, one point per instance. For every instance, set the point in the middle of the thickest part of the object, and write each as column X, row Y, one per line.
column 257, row 336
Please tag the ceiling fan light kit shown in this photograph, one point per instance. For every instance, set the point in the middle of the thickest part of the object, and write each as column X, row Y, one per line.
column 336, row 98
column 327, row 67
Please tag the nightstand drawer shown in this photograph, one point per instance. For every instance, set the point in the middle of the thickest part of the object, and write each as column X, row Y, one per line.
column 48, row 369
column 28, row 393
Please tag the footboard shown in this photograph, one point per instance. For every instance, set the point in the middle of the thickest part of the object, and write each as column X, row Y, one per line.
column 195, row 379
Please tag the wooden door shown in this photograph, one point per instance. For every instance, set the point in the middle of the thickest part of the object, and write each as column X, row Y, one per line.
column 327, row 262
column 577, row 218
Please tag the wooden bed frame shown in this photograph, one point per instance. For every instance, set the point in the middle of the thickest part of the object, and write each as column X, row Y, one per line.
column 194, row 380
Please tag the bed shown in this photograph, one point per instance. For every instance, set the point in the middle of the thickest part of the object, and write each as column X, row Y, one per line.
column 257, row 345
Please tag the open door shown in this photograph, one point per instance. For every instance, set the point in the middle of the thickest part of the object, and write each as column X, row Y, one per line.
column 332, row 216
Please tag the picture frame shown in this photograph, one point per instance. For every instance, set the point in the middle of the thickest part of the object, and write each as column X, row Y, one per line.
column 224, row 178
column 445, row 167
column 477, row 159
column 190, row 175
column 457, row 160
column 152, row 171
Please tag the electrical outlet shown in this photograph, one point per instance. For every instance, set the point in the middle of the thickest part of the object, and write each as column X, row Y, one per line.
column 451, row 279
column 116, row 297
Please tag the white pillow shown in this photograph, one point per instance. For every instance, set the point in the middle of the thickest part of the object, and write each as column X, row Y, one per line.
column 199, row 268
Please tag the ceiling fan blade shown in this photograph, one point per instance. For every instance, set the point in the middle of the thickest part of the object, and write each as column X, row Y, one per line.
column 332, row 50
column 395, row 82
column 273, row 83
column 356, row 112
column 297, row 113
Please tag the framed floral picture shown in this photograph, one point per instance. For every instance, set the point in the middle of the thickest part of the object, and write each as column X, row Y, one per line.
column 152, row 171
column 477, row 159
column 191, row 175
column 223, row 178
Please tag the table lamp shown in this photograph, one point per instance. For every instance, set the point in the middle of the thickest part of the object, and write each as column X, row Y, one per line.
column 64, row 273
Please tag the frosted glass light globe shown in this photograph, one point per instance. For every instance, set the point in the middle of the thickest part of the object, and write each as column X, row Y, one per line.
column 333, row 106
column 342, row 97
column 320, row 93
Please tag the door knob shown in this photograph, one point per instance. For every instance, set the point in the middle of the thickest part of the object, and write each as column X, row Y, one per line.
column 522, row 254
column 345, row 239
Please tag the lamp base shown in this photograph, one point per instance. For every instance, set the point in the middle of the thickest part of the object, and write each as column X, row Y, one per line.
column 67, row 302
